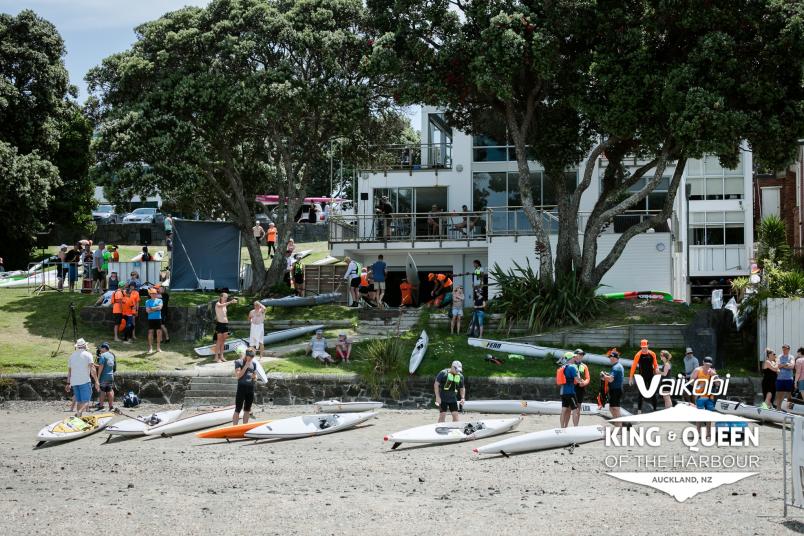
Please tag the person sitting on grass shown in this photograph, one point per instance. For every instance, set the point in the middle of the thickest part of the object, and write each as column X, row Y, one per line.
column 343, row 348
column 318, row 348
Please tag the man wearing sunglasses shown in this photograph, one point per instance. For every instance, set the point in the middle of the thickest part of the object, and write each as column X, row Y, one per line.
column 449, row 384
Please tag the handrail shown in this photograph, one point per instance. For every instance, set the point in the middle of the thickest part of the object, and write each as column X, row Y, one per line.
column 454, row 225
column 409, row 157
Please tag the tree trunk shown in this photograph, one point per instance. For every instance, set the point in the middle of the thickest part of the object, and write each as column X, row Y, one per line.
column 257, row 264
column 543, row 247
column 567, row 223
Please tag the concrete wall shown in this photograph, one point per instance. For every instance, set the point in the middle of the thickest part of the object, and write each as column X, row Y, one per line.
column 641, row 267
column 183, row 323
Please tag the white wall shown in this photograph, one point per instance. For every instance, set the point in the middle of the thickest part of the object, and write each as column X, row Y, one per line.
column 784, row 324
column 641, row 266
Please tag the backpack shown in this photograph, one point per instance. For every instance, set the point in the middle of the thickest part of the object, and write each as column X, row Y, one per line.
column 130, row 400
column 561, row 379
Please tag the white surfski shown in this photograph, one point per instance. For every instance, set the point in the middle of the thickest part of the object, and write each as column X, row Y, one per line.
column 453, row 432
column 277, row 336
column 157, row 256
column 309, row 425
column 412, row 271
column 733, row 407
column 137, row 426
column 336, row 406
column 545, row 439
column 192, row 423
column 326, row 260
column 528, row 407
column 793, row 407
column 540, row 351
column 74, row 428
column 418, row 352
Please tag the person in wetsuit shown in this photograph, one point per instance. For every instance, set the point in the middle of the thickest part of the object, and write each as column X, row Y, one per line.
column 645, row 365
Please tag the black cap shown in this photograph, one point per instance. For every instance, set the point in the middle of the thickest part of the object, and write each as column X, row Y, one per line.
column 104, row 345
column 707, row 359
column 614, row 353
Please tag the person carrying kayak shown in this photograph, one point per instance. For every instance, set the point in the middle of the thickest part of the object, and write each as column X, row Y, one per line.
column 580, row 387
column 645, row 365
column 448, row 385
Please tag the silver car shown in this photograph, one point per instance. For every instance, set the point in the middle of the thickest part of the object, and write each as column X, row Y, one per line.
column 142, row 215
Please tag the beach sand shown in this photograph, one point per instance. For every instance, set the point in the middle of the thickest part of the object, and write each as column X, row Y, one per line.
column 352, row 483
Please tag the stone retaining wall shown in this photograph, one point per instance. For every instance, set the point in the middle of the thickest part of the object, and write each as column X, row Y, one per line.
column 293, row 389
column 183, row 323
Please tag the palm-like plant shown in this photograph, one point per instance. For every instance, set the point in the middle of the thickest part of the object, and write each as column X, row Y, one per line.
column 772, row 242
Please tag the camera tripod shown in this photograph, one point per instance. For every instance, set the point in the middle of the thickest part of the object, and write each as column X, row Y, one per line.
column 70, row 317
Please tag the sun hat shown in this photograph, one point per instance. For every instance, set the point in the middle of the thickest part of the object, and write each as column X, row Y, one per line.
column 80, row 343
column 707, row 359
column 457, row 366
column 689, row 350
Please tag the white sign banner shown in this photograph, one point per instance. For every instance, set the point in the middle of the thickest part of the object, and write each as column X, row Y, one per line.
column 798, row 462
column 682, row 486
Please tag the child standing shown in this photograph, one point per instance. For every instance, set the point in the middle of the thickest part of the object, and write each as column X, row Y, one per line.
column 457, row 310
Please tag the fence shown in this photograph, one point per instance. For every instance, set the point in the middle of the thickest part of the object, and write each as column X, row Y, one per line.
column 325, row 278
column 783, row 323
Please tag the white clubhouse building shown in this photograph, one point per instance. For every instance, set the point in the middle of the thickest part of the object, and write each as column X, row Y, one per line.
column 708, row 239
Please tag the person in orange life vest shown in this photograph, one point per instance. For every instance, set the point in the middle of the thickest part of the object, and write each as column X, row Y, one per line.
column 645, row 365
column 580, row 387
column 270, row 238
column 128, row 310
column 366, row 287
column 406, row 290
column 117, row 310
column 443, row 284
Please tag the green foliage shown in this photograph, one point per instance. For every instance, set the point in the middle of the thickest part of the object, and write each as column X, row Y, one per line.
column 772, row 242
column 524, row 298
column 34, row 110
column 385, row 365
column 242, row 97
column 739, row 285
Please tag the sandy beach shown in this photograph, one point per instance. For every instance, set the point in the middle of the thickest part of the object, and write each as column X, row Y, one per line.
column 350, row 483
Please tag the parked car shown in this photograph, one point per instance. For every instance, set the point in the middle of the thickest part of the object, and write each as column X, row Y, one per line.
column 144, row 215
column 304, row 217
column 105, row 214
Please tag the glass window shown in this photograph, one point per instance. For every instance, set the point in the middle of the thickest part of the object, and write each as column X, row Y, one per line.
column 734, row 216
column 656, row 200
column 405, row 200
column 694, row 168
column 712, row 166
column 487, row 149
column 699, row 236
column 489, row 190
column 697, row 191
column 733, row 187
column 735, row 234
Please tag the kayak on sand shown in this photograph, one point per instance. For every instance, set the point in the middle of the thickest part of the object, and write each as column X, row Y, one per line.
column 308, row 425
column 543, row 440
column 73, row 428
column 237, row 431
column 540, row 351
column 528, row 407
column 136, row 426
column 453, row 432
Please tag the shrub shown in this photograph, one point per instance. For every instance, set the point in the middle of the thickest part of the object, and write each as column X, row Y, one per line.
column 523, row 298
column 772, row 243
column 385, row 365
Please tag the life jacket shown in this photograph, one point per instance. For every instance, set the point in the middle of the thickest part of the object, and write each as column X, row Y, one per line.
column 117, row 302
column 298, row 268
column 364, row 280
column 477, row 276
column 407, row 295
column 561, row 379
column 272, row 234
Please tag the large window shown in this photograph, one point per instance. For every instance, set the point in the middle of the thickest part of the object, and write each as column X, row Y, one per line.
column 654, row 200
column 501, row 189
column 709, row 181
column 717, row 228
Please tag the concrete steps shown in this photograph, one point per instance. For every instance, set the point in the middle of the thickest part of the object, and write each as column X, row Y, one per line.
column 385, row 322
column 210, row 391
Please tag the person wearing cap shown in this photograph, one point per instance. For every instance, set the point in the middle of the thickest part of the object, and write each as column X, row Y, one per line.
column 580, row 387
column 106, row 367
column 708, row 373
column 256, row 319
column 448, row 385
column 784, row 381
column 690, row 363
column 258, row 232
column 343, row 348
column 352, row 277
column 81, row 375
column 645, row 365
column 153, row 307
column 270, row 239
column 318, row 348
column 566, row 378
column 246, row 374
column 614, row 378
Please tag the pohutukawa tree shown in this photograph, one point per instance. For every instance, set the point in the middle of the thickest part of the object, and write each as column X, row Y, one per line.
column 655, row 81
column 233, row 100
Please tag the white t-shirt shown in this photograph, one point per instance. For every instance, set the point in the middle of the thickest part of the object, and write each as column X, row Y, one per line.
column 79, row 364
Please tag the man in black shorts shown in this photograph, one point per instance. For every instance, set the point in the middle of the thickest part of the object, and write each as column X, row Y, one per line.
column 449, row 383
column 615, row 380
column 246, row 374
column 580, row 387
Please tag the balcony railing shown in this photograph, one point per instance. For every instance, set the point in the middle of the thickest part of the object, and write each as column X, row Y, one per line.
column 409, row 157
column 478, row 225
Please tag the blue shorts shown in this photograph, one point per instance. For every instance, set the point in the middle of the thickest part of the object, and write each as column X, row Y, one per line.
column 457, row 311
column 72, row 271
column 784, row 386
column 705, row 403
column 801, row 385
column 480, row 315
column 83, row 392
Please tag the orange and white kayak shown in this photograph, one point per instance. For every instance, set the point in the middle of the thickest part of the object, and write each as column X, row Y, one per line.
column 230, row 432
